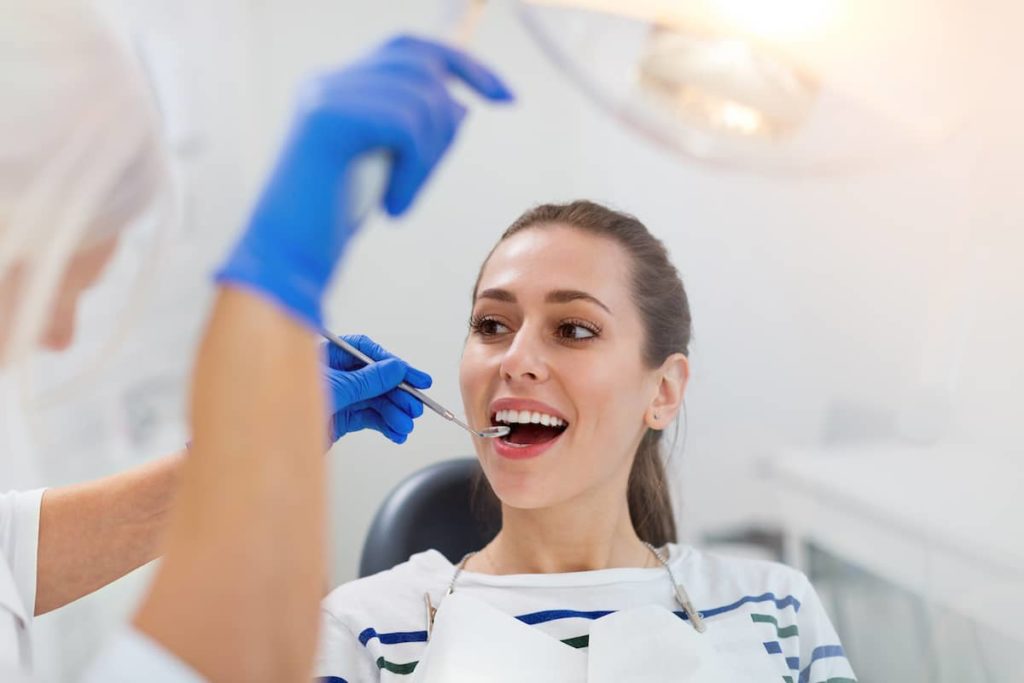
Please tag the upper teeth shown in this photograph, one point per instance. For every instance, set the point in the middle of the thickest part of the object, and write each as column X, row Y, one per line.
column 526, row 417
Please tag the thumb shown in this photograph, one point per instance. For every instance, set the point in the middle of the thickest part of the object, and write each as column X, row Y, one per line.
column 375, row 380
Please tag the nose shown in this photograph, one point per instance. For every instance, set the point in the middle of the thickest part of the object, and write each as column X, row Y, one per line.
column 524, row 360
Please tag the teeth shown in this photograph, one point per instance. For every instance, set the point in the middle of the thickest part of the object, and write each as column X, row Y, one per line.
column 527, row 417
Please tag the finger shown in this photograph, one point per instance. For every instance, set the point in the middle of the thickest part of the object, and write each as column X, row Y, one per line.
column 405, row 402
column 337, row 358
column 416, row 122
column 373, row 380
column 339, row 386
column 378, row 424
column 459, row 64
column 368, row 346
column 397, row 438
column 414, row 376
column 392, row 416
column 414, row 163
column 418, row 378
column 340, row 393
column 347, row 421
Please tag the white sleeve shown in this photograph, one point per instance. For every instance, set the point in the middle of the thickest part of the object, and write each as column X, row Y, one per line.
column 19, row 541
column 132, row 657
column 341, row 657
column 822, row 657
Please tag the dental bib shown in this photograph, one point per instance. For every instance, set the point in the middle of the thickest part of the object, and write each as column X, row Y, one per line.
column 474, row 642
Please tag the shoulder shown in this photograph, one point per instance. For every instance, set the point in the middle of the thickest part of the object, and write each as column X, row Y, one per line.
column 379, row 622
column 391, row 595
column 729, row 578
column 778, row 599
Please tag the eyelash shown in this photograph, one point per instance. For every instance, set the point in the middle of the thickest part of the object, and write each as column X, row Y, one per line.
column 477, row 323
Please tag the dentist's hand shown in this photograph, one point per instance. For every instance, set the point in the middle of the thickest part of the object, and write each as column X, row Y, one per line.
column 395, row 100
column 365, row 396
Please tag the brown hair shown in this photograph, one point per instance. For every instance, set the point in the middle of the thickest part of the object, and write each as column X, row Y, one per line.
column 665, row 312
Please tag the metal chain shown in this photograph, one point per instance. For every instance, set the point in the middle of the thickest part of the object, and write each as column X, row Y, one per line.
column 696, row 620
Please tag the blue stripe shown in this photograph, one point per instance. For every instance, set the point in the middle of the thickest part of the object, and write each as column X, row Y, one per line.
column 331, row 679
column 821, row 652
column 773, row 648
column 393, row 638
column 534, row 618
column 555, row 614
column 793, row 663
column 780, row 603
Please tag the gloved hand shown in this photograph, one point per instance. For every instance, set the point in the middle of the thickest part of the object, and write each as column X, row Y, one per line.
column 364, row 396
column 395, row 100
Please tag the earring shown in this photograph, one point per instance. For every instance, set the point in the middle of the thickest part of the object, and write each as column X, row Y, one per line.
column 657, row 417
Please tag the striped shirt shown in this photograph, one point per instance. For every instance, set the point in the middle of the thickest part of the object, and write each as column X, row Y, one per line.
column 374, row 629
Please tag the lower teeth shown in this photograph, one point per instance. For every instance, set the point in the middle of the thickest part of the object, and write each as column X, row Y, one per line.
column 532, row 434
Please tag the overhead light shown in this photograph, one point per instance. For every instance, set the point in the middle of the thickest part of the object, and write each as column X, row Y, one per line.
column 793, row 85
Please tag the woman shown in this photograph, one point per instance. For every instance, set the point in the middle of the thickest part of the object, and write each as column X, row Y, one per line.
column 579, row 337
column 80, row 158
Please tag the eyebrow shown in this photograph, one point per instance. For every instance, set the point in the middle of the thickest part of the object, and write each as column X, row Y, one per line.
column 557, row 296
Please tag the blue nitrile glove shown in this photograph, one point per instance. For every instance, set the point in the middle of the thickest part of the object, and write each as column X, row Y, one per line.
column 365, row 397
column 395, row 100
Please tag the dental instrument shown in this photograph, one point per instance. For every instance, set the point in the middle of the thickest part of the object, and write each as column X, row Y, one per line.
column 489, row 433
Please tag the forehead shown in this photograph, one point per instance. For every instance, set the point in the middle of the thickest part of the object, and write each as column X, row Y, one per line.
column 544, row 258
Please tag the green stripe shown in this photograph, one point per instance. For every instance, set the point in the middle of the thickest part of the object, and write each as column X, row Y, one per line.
column 400, row 669
column 784, row 632
column 788, row 679
column 579, row 642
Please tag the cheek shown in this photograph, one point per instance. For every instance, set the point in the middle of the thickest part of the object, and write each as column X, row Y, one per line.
column 474, row 372
column 611, row 400
column 607, row 394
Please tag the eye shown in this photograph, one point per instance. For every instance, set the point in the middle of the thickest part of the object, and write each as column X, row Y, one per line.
column 573, row 330
column 486, row 326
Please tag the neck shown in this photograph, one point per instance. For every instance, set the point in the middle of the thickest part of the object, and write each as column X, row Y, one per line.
column 571, row 537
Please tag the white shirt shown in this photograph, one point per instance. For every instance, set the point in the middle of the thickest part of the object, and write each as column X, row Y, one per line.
column 19, row 539
column 130, row 657
column 374, row 629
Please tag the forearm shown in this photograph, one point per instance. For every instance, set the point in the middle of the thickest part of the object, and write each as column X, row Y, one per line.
column 91, row 534
column 244, row 557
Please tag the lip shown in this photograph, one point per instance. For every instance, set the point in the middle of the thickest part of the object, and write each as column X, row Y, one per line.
column 513, row 452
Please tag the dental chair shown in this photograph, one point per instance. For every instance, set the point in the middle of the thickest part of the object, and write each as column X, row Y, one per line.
column 429, row 509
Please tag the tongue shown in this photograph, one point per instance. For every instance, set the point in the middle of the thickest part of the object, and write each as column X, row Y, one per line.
column 525, row 434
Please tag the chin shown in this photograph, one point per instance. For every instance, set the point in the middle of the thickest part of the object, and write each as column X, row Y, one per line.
column 523, row 490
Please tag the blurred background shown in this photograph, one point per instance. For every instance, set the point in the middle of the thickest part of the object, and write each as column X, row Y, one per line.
column 857, row 294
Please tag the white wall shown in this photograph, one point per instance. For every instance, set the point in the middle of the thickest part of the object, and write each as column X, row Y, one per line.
column 814, row 300
column 884, row 306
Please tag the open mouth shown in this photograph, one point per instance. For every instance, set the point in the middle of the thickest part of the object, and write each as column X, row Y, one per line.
column 528, row 427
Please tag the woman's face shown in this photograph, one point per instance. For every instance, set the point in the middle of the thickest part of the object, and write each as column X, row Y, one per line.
column 555, row 333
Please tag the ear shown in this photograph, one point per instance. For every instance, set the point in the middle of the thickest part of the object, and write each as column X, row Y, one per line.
column 673, row 376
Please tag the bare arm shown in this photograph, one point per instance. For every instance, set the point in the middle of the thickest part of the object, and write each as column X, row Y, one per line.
column 91, row 534
column 244, row 557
